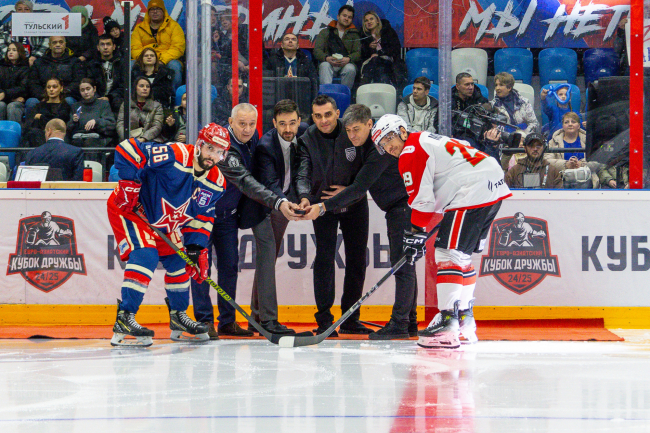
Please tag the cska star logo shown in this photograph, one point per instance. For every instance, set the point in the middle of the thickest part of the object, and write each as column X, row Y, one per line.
column 173, row 217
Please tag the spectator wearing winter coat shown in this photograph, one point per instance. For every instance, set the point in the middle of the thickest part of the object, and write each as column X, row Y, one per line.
column 507, row 101
column 222, row 104
column 289, row 61
column 13, row 83
column 174, row 127
column 338, row 48
column 160, row 77
column 145, row 115
column 84, row 47
column 107, row 69
column 35, row 46
column 561, row 93
column 113, row 29
column 534, row 163
column 465, row 94
column 53, row 106
column 58, row 62
column 381, row 52
column 419, row 110
column 160, row 32
column 91, row 123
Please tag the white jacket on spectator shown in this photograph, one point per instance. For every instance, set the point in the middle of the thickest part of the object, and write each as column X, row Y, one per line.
column 419, row 119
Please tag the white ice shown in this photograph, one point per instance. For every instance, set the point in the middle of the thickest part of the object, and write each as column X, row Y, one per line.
column 338, row 386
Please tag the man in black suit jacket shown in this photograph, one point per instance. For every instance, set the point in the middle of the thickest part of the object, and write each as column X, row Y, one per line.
column 57, row 153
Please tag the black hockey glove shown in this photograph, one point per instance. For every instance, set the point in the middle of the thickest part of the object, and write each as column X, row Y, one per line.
column 414, row 245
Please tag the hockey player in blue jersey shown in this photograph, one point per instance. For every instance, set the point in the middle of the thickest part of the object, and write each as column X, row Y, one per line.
column 176, row 186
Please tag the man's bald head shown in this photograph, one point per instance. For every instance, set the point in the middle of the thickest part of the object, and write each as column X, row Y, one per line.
column 55, row 128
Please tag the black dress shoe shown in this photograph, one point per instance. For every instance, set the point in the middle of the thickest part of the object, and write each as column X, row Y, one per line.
column 413, row 329
column 392, row 331
column 234, row 330
column 212, row 333
column 275, row 327
column 325, row 327
column 354, row 327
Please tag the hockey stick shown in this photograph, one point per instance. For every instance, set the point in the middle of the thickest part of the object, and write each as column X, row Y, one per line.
column 297, row 341
column 273, row 338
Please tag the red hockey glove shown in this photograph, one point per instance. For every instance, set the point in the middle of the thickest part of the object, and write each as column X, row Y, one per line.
column 199, row 256
column 127, row 194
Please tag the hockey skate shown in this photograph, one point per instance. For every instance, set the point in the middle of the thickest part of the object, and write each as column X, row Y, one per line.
column 467, row 324
column 125, row 324
column 442, row 332
column 185, row 329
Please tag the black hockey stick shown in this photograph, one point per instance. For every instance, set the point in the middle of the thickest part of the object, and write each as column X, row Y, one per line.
column 273, row 338
column 297, row 340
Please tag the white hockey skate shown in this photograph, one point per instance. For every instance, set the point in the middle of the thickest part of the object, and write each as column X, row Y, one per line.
column 185, row 329
column 467, row 324
column 125, row 324
column 442, row 332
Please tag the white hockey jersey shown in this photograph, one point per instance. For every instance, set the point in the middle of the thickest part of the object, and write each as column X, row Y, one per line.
column 443, row 174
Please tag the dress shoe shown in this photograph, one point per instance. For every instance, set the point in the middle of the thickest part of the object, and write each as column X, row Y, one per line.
column 325, row 327
column 392, row 331
column 354, row 327
column 413, row 328
column 234, row 330
column 275, row 327
column 212, row 333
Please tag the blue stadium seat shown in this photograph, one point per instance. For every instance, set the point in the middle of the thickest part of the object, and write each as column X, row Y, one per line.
column 10, row 137
column 407, row 90
column 484, row 90
column 516, row 61
column 575, row 101
column 558, row 65
column 181, row 90
column 308, row 54
column 434, row 91
column 422, row 62
column 339, row 92
column 598, row 63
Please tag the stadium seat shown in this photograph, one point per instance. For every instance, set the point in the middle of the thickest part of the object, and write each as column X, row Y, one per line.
column 380, row 98
column 98, row 170
column 516, row 61
column 308, row 54
column 422, row 62
column 340, row 93
column 434, row 91
column 474, row 61
column 181, row 90
column 558, row 65
column 599, row 62
column 10, row 137
column 407, row 90
column 3, row 172
column 575, row 101
column 526, row 91
column 484, row 90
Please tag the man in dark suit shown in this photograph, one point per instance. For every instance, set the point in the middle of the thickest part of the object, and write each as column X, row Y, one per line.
column 57, row 153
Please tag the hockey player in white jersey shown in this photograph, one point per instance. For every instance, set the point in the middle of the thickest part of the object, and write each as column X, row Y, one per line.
column 448, row 176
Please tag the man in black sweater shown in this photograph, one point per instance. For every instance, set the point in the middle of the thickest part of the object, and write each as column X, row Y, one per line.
column 327, row 158
column 379, row 174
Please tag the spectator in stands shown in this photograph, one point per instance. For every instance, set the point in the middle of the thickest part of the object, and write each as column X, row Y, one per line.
column 338, row 48
column 515, row 107
column 544, row 175
column 223, row 40
column 57, row 62
column 381, row 52
column 56, row 153
column 610, row 179
column 113, row 29
column 13, row 83
column 160, row 77
column 419, row 110
column 161, row 33
column 53, row 106
column 174, row 127
column 35, row 46
column 108, row 69
column 222, row 104
column 145, row 115
column 561, row 93
column 92, row 123
column 465, row 94
column 289, row 61
column 620, row 47
column 84, row 47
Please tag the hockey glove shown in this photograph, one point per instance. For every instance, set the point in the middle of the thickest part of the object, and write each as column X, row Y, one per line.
column 199, row 257
column 127, row 194
column 414, row 245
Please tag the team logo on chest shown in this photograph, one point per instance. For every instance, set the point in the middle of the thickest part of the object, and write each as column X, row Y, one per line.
column 351, row 153
column 173, row 217
column 202, row 197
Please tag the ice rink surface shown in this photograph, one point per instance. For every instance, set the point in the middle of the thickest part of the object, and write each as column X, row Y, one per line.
column 338, row 386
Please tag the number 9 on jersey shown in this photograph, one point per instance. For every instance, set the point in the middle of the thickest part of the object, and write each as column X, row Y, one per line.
column 408, row 179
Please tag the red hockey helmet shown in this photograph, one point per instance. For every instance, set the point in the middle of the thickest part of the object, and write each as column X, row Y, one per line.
column 215, row 136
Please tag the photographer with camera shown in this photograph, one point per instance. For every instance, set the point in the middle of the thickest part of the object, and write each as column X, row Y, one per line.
column 534, row 171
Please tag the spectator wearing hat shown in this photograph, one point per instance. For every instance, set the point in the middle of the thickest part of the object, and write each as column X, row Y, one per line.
column 114, row 30
column 544, row 174
column 84, row 47
column 35, row 47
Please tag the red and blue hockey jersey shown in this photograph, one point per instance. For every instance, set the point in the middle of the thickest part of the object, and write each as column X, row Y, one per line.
column 172, row 196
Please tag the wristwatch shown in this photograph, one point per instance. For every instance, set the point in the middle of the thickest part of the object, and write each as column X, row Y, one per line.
column 322, row 209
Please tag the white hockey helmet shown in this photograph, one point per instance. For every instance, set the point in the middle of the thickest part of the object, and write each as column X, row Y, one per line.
column 388, row 123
